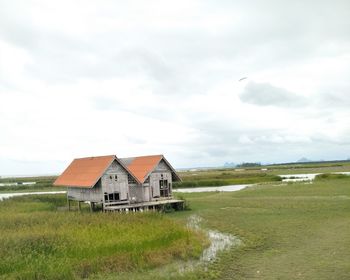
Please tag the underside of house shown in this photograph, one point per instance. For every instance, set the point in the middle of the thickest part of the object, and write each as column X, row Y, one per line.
column 120, row 184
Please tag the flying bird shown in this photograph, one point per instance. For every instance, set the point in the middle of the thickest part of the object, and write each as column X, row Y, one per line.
column 241, row 79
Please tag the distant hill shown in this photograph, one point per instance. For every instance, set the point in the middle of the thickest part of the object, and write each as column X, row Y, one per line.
column 304, row 159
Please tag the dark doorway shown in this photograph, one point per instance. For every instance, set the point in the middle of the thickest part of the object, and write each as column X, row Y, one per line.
column 164, row 188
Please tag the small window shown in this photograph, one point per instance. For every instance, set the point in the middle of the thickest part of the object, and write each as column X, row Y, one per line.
column 115, row 178
column 110, row 196
column 110, row 177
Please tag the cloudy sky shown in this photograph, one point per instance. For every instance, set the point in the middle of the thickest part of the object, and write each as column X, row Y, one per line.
column 84, row 78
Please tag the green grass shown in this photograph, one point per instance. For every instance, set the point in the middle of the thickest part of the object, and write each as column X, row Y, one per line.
column 288, row 231
column 219, row 178
column 44, row 183
column 40, row 240
column 293, row 231
column 328, row 176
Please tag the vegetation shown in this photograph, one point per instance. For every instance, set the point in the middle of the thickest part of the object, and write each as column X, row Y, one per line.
column 218, row 178
column 312, row 167
column 41, row 184
column 249, row 164
column 288, row 231
column 38, row 240
column 292, row 231
column 328, row 176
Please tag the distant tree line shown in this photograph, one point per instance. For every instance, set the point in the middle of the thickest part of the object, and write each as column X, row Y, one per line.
column 249, row 164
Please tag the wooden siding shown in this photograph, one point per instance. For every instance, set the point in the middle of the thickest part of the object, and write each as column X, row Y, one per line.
column 83, row 194
column 115, row 179
column 136, row 193
column 161, row 172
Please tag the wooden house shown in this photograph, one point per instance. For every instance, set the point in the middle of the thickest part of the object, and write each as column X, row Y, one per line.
column 120, row 183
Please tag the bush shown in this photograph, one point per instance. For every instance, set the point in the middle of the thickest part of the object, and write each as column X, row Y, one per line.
column 328, row 176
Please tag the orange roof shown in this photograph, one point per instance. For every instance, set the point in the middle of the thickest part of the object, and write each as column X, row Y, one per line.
column 142, row 166
column 84, row 172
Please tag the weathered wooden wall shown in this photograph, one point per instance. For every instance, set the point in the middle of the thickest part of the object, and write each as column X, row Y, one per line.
column 110, row 185
column 86, row 194
column 162, row 171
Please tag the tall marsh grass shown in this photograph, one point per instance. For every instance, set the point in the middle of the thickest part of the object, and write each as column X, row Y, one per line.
column 225, row 179
column 39, row 242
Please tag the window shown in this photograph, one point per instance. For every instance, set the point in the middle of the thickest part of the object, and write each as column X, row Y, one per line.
column 110, row 177
column 115, row 178
column 131, row 180
column 110, row 197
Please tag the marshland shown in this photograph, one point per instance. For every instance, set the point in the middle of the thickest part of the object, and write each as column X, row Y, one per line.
column 285, row 231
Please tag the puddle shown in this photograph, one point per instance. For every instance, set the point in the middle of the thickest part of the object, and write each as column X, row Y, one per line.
column 218, row 241
column 304, row 177
column 298, row 177
column 8, row 195
column 230, row 188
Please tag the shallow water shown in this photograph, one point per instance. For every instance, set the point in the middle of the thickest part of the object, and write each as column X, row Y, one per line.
column 16, row 184
column 298, row 177
column 230, row 188
column 304, row 177
column 218, row 241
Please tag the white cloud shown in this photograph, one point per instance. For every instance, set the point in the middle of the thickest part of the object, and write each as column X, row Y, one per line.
column 146, row 77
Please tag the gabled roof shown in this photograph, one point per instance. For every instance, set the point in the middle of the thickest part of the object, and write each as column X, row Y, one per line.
column 85, row 172
column 142, row 166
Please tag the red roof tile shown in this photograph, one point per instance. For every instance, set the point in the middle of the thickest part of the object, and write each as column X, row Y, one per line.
column 142, row 166
column 84, row 172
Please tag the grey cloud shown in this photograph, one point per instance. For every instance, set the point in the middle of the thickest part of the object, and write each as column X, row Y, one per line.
column 196, row 52
column 334, row 99
column 179, row 59
column 264, row 94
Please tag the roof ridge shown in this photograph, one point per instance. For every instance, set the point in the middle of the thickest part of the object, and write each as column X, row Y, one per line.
column 158, row 155
column 96, row 157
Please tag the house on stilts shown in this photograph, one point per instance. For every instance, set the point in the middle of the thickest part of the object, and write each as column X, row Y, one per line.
column 121, row 184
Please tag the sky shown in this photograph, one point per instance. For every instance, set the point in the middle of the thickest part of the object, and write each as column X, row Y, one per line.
column 90, row 78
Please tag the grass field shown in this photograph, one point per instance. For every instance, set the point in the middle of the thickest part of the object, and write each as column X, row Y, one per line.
column 288, row 231
column 42, row 184
column 202, row 178
column 40, row 240
column 294, row 231
column 252, row 175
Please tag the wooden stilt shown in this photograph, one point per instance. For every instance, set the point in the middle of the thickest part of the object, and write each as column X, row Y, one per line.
column 79, row 208
column 91, row 206
column 68, row 205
